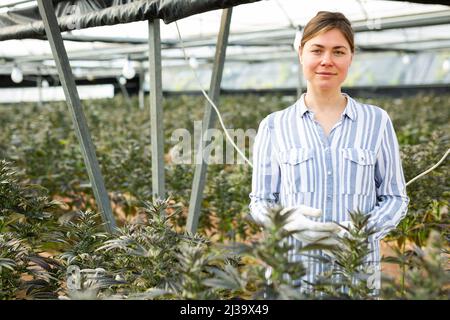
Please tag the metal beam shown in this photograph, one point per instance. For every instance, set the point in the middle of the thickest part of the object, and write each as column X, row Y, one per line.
column 141, row 87
column 246, row 38
column 47, row 12
column 11, row 5
column 85, row 38
column 124, row 91
column 156, row 112
column 279, row 36
column 209, row 119
column 39, row 86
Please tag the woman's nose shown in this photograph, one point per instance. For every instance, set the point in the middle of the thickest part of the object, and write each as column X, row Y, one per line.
column 326, row 59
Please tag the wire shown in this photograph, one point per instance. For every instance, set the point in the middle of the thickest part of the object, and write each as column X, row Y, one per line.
column 291, row 22
column 210, row 101
column 363, row 9
column 429, row 170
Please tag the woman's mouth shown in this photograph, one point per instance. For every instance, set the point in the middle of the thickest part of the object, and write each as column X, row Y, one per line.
column 326, row 73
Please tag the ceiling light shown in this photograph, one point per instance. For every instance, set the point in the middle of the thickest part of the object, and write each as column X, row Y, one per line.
column 128, row 70
column 16, row 74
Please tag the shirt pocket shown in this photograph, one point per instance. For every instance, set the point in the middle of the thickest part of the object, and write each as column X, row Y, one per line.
column 358, row 171
column 297, row 170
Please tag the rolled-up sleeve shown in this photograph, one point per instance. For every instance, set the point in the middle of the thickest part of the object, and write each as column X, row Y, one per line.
column 392, row 200
column 265, row 176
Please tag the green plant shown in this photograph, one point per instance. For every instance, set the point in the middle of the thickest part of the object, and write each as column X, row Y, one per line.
column 350, row 270
column 428, row 275
column 26, row 216
column 48, row 166
column 269, row 272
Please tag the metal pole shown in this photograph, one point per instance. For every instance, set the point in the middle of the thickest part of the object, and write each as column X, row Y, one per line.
column 209, row 119
column 141, row 87
column 47, row 12
column 14, row 4
column 156, row 112
column 39, row 87
column 125, row 94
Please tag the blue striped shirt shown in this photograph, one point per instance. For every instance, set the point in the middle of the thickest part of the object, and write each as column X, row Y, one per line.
column 357, row 166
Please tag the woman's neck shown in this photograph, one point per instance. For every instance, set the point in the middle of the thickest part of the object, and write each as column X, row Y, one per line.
column 325, row 101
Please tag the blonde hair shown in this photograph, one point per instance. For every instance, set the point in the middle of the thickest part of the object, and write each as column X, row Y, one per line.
column 325, row 21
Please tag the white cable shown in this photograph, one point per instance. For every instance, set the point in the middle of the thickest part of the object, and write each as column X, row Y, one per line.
column 291, row 22
column 429, row 170
column 363, row 9
column 210, row 101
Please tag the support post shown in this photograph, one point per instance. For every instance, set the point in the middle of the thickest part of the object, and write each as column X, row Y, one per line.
column 141, row 87
column 124, row 91
column 156, row 112
column 53, row 33
column 209, row 119
column 39, row 88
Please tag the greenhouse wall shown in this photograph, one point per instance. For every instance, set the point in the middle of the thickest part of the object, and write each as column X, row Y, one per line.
column 368, row 69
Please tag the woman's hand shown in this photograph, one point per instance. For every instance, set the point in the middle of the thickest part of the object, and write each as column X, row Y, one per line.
column 309, row 231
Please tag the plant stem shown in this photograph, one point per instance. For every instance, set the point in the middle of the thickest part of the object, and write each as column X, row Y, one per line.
column 403, row 267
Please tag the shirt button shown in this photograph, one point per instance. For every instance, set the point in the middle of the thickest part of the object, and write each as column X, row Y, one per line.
column 329, row 196
column 329, row 173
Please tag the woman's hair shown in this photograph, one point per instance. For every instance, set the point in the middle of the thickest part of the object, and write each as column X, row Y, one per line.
column 325, row 21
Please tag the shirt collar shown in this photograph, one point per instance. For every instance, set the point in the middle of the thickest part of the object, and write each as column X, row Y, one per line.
column 349, row 110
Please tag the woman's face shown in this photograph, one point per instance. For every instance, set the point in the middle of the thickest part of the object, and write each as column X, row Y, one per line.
column 326, row 59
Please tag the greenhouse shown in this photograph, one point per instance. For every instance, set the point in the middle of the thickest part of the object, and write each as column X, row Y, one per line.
column 132, row 150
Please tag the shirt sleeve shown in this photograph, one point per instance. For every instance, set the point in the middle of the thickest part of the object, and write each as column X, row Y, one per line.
column 265, row 175
column 392, row 201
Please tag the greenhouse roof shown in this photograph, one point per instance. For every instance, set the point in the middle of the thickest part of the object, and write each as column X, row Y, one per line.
column 262, row 31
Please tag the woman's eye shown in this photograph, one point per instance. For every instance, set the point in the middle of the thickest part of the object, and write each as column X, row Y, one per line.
column 315, row 51
column 339, row 53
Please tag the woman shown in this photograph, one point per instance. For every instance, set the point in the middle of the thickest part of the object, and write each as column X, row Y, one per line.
column 328, row 151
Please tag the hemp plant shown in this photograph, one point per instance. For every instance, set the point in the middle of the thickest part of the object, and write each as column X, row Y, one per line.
column 146, row 254
column 350, row 273
column 25, row 217
column 269, row 273
column 428, row 275
column 260, row 270
column 25, row 208
column 200, row 272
